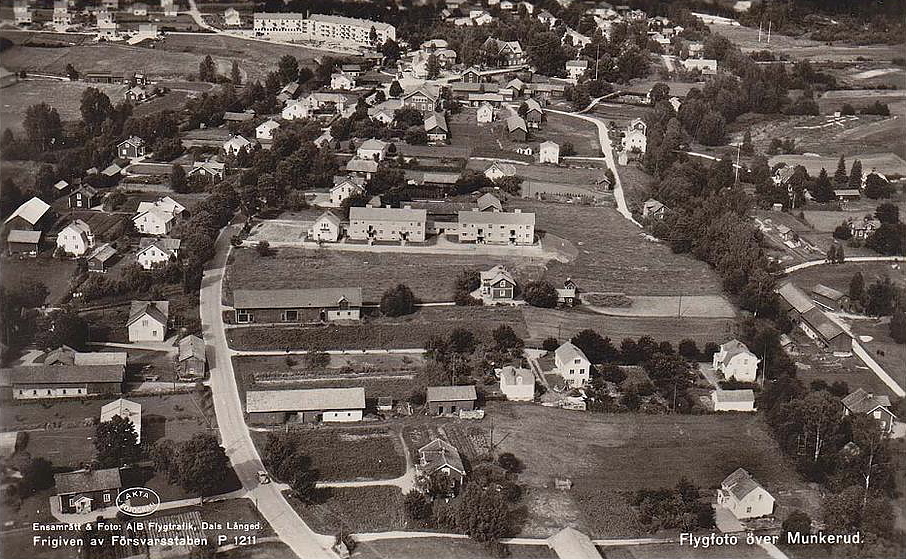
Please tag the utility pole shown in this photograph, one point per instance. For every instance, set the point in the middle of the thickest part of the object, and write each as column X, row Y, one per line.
column 760, row 23
column 597, row 56
column 736, row 179
column 769, row 32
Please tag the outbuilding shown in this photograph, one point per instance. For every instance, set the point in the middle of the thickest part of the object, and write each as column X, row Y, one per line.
column 450, row 399
column 306, row 406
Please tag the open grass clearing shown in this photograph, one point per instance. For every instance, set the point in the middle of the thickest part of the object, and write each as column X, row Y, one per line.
column 887, row 163
column 431, row 277
column 54, row 274
column 625, row 452
column 354, row 509
column 838, row 276
column 341, row 454
column 63, row 96
column 445, row 548
column 561, row 129
column 889, row 354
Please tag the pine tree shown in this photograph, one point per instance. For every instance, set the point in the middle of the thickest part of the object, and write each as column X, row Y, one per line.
column 823, row 191
column 898, row 327
column 747, row 148
column 855, row 175
column 840, row 175
column 207, row 70
column 235, row 74
column 856, row 287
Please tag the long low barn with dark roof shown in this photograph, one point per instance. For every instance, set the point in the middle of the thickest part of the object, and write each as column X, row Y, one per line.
column 297, row 305
column 61, row 381
column 312, row 405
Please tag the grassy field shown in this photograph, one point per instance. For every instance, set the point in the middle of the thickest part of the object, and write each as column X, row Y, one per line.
column 348, row 454
column 403, row 332
column 637, row 185
column 63, row 96
column 445, row 548
column 613, row 255
column 887, row 163
column 606, row 454
column 561, row 129
column 562, row 324
column 54, row 274
column 430, row 276
column 838, row 276
column 355, row 509
column 889, row 354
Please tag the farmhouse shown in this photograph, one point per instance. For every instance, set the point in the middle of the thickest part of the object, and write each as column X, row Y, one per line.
column 154, row 252
column 571, row 363
column 825, row 332
column 342, row 80
column 30, row 216
column 76, row 238
column 265, row 130
column 23, row 243
column 344, row 187
column 156, row 218
column 362, row 167
column 534, row 114
column 126, row 409
column 423, row 98
column 485, row 113
column 191, row 359
column 450, row 399
column 744, row 497
column 101, row 258
column 504, row 53
column 211, row 170
column 514, row 228
column 64, row 381
column 549, row 152
column 236, row 144
column 325, row 304
column 862, row 229
column 148, row 321
column 83, row 491
column 372, row 149
column 83, row 197
column 314, row 405
column 736, row 362
column 829, row 298
column 516, row 128
column 517, row 383
column 387, row 224
column 487, row 202
column 471, row 75
column 497, row 286
column 634, row 139
column 498, row 170
column 441, row 456
column 733, row 400
column 131, row 148
column 568, row 295
column 653, row 209
column 327, row 227
column 137, row 94
column 575, row 69
column 877, row 406
column 322, row 28
column 436, row 128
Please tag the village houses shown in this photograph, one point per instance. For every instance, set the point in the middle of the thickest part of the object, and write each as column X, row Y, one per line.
column 572, row 364
column 154, row 252
column 148, row 321
column 736, row 362
column 75, row 239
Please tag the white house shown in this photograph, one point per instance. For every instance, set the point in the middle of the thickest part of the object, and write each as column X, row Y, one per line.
column 156, row 218
column 327, row 227
column 733, row 400
column 148, row 321
column 76, row 238
column 343, row 188
column 744, row 497
column 485, row 113
column 372, row 149
column 517, row 383
column 571, row 364
column 342, row 80
column 155, row 252
column 294, row 109
column 265, row 130
column 736, row 362
column 498, row 170
column 634, row 139
column 575, row 69
column 231, row 17
column 549, row 152
column 236, row 144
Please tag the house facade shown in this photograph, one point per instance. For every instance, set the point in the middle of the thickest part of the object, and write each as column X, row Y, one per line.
column 512, row 228
column 321, row 28
column 76, row 238
column 84, row 491
column 148, row 321
column 877, row 406
column 735, row 361
column 42, row 382
column 733, row 400
column 100, row 259
column 549, row 152
column 497, row 286
column 517, row 384
column 443, row 400
column 327, row 228
column 297, row 306
column 154, row 252
column 744, row 497
column 343, row 188
column 191, row 360
column 131, row 148
column 439, row 456
column 572, row 364
column 328, row 405
column 635, row 137
column 387, row 224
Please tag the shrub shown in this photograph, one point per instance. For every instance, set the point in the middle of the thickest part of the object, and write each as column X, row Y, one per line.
column 540, row 294
column 550, row 344
column 398, row 301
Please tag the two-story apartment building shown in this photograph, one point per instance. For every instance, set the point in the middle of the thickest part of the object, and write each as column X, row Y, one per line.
column 513, row 228
column 387, row 224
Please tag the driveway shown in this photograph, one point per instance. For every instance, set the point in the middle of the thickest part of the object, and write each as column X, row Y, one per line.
column 234, row 433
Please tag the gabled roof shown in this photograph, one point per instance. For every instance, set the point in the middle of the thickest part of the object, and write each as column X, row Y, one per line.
column 825, row 327
column 269, row 124
column 133, row 141
column 509, row 374
column 507, row 169
column 64, row 374
column 387, row 214
column 653, row 206
column 191, row 347
column 861, row 401
column 533, row 105
column 496, row 274
column 549, row 145
column 568, row 352
column 127, row 409
column 78, row 227
column 437, row 120
column 305, row 400
column 85, row 481
column 340, row 180
column 570, row 543
column 164, row 244
column 827, row 292
column 31, row 211
column 24, row 237
column 296, row 298
column 438, row 454
column 330, row 217
column 516, row 122
column 373, row 144
column 102, row 253
column 795, row 298
column 735, row 396
column 362, row 165
column 451, row 393
column 158, row 310
column 740, row 483
column 733, row 348
column 487, row 201
column 100, row 359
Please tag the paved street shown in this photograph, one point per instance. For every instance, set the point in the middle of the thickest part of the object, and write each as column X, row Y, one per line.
column 234, row 433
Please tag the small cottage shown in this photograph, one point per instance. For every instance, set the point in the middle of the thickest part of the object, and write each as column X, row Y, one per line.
column 450, row 399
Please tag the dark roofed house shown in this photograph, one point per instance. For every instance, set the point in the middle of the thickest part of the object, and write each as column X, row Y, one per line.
column 23, row 243
column 829, row 298
column 83, row 197
column 450, row 399
column 297, row 305
column 191, row 359
column 878, row 406
column 516, row 128
column 441, row 456
column 825, row 331
column 436, row 128
column 83, row 491
column 100, row 259
column 65, row 381
column 312, row 405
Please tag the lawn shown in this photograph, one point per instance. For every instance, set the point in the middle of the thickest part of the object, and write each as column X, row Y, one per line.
column 355, row 509
column 614, row 255
column 606, row 454
column 887, row 163
column 582, row 134
column 403, row 332
column 637, row 185
column 339, row 454
column 838, row 276
column 889, row 354
column 445, row 548
column 430, row 276
column 63, row 96
column 54, row 274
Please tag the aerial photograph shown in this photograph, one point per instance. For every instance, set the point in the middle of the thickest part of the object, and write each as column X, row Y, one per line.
column 452, row 279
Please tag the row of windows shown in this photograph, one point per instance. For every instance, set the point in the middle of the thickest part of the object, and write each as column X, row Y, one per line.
column 50, row 392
